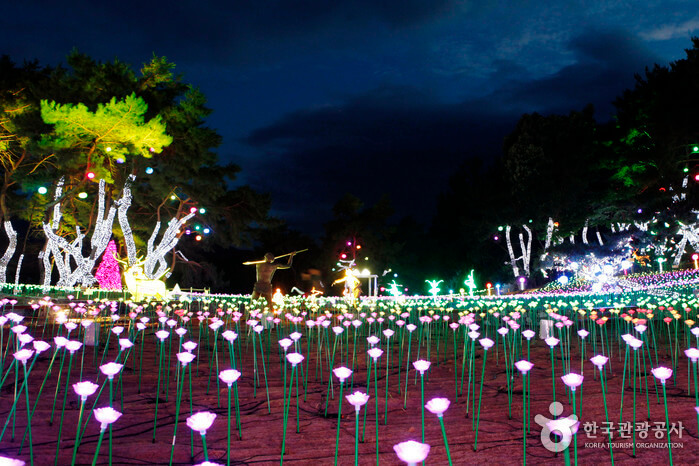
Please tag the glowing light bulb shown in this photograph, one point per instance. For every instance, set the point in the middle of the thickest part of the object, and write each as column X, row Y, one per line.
column 42, row 190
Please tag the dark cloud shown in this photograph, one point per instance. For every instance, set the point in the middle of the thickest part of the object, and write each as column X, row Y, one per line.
column 406, row 142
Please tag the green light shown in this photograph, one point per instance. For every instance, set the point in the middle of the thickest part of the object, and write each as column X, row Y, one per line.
column 500, row 228
column 202, row 210
column 42, row 190
column 685, row 169
column 82, row 195
column 695, row 149
column 198, row 227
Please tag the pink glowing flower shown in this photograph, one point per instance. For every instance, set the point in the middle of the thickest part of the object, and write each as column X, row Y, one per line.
column 125, row 343
column 412, row 452
column 503, row 331
column 342, row 373
column 662, row 373
column 111, row 369
column 573, row 380
column 373, row 340
column 229, row 336
column 528, row 334
column 189, row 346
column 375, row 353
column 181, row 331
column 140, row 326
column 599, row 361
column 524, row 366
column 692, row 353
column 25, row 338
column 551, row 341
column 60, row 341
column 421, row 365
column 201, row 422
column 185, row 358
column 473, row 334
column 85, row 389
column 17, row 329
column 162, row 335
column 635, row 343
column 582, row 333
column 294, row 358
column 411, row 327
column 338, row 330
column 208, row 463
column 388, row 333
column 640, row 328
column 23, row 355
column 70, row 326
column 296, row 336
column 106, row 416
column 357, row 399
column 6, row 461
column 117, row 330
column 73, row 346
column 437, row 406
column 229, row 376
column 486, row 343
column 40, row 346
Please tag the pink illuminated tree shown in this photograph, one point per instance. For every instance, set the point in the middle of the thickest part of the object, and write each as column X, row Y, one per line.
column 108, row 274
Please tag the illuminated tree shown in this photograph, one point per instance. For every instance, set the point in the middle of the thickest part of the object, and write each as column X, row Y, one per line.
column 108, row 273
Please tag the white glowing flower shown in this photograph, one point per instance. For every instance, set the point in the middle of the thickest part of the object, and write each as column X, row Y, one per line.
column 201, row 422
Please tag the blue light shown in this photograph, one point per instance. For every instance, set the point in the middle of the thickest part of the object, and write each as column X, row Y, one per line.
column 149, row 170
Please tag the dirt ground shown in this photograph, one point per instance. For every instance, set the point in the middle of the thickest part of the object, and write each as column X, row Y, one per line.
column 499, row 437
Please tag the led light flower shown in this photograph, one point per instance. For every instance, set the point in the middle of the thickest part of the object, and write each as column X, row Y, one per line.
column 573, row 380
column 111, row 369
column 180, row 331
column 372, row 340
column 23, row 355
column 70, row 326
column 229, row 336
column 338, row 330
column 125, row 343
column 117, row 330
column 229, row 376
column 285, row 343
column 388, row 333
column 599, row 361
column 503, row 331
column 40, row 346
column 189, row 346
column 635, row 343
column 6, row 461
column 17, row 329
column 486, row 343
column 357, row 399
column 375, row 353
column 528, row 334
column 294, row 358
column 85, row 389
column 421, row 365
column 185, row 358
column 342, row 373
column 473, row 334
column 640, row 328
column 551, row 341
column 692, row 353
column 411, row 328
column 662, row 373
column 295, row 336
column 437, row 406
column 25, row 339
column 412, row 452
column 582, row 333
column 201, row 422
column 106, row 416
column 73, row 346
column 140, row 326
column 162, row 335
column 524, row 366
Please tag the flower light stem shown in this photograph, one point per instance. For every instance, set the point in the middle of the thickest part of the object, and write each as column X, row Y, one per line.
column 480, row 400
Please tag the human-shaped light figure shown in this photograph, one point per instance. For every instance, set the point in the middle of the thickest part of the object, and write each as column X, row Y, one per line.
column 470, row 283
column 351, row 282
column 434, row 286
column 394, row 289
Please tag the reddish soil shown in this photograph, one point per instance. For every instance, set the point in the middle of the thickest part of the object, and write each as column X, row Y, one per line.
column 499, row 437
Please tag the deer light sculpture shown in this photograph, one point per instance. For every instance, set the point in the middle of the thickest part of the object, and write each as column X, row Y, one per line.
column 139, row 285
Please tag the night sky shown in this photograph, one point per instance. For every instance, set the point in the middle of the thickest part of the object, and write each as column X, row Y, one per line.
column 316, row 98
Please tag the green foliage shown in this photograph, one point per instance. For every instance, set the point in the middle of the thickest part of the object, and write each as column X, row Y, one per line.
column 114, row 131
